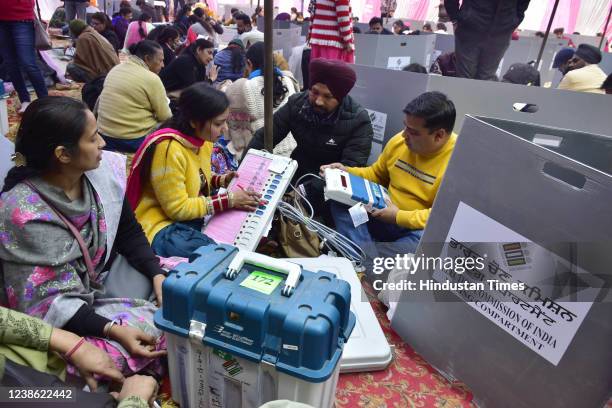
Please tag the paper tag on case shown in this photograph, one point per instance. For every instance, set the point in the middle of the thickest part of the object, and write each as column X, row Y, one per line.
column 359, row 215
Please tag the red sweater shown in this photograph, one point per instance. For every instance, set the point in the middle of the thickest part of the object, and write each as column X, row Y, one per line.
column 15, row 10
column 331, row 24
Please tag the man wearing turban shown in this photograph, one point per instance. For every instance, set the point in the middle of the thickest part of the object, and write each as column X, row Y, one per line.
column 584, row 74
column 327, row 124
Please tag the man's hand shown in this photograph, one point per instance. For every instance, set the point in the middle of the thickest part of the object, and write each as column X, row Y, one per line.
column 339, row 166
column 387, row 214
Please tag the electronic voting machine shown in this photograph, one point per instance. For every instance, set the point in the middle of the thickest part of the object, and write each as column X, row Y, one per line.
column 349, row 189
column 267, row 174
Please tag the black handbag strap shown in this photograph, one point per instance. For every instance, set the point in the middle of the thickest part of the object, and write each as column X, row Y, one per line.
column 38, row 10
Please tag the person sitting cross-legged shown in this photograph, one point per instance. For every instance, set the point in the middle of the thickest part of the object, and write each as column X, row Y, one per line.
column 411, row 167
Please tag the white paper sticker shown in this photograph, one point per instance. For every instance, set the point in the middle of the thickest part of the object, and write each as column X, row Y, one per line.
column 530, row 316
column 499, row 69
column 359, row 215
column 379, row 124
column 547, row 140
column 397, row 63
column 232, row 381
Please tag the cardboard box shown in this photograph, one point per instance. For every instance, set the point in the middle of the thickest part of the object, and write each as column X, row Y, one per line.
column 549, row 202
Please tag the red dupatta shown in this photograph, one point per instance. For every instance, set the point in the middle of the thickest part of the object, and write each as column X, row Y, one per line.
column 135, row 183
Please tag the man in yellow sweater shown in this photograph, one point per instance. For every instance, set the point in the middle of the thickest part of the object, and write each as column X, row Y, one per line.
column 584, row 74
column 411, row 167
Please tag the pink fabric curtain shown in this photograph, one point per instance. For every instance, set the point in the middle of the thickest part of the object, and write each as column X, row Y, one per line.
column 562, row 16
column 371, row 9
column 574, row 10
column 418, row 10
column 213, row 4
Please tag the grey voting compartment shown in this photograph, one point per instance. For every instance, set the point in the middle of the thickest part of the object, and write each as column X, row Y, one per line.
column 385, row 93
column 285, row 39
column 444, row 43
column 584, row 39
column 364, row 27
column 554, row 107
column 551, row 187
column 393, row 52
column 261, row 24
column 606, row 62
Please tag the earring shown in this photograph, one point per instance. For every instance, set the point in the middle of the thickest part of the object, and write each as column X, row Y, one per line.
column 18, row 159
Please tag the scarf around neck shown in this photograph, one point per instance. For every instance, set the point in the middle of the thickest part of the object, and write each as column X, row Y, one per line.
column 135, row 182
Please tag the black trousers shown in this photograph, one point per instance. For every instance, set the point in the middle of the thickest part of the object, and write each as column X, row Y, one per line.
column 479, row 54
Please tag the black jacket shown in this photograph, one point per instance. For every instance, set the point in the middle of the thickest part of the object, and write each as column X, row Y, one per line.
column 169, row 55
column 348, row 141
column 112, row 38
column 185, row 70
column 487, row 16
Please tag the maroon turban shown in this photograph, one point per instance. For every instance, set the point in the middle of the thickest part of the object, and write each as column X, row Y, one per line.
column 337, row 75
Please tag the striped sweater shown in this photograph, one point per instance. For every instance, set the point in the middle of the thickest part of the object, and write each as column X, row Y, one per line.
column 331, row 24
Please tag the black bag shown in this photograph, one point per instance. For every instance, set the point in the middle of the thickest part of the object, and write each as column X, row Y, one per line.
column 91, row 91
column 18, row 376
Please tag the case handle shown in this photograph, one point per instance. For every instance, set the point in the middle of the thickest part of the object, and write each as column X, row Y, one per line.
column 293, row 271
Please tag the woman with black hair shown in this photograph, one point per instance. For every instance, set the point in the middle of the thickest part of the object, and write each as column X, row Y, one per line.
column 169, row 39
column 67, row 233
column 189, row 67
column 133, row 101
column 247, row 100
column 138, row 30
column 231, row 61
column 181, row 21
column 170, row 182
column 203, row 26
column 102, row 24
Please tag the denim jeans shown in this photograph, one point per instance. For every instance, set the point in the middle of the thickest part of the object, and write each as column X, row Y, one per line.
column 180, row 239
column 77, row 73
column 376, row 238
column 114, row 144
column 76, row 9
column 17, row 47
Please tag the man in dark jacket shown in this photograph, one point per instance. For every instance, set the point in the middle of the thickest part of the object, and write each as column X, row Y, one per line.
column 327, row 124
column 483, row 30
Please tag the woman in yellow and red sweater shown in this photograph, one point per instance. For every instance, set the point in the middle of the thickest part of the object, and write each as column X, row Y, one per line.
column 170, row 182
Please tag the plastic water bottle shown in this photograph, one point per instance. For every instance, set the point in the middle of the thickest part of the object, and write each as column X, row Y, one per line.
column 2, row 92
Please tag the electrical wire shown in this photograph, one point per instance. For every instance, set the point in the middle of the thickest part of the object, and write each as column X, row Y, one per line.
column 334, row 241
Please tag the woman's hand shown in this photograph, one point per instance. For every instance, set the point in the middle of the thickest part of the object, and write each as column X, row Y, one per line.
column 142, row 386
column 87, row 358
column 245, row 199
column 213, row 73
column 136, row 342
column 157, row 287
column 90, row 360
column 227, row 178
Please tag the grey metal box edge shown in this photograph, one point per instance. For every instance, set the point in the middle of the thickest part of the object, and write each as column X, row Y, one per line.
column 443, row 334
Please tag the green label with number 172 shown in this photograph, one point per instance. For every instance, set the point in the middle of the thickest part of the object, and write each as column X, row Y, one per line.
column 262, row 282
